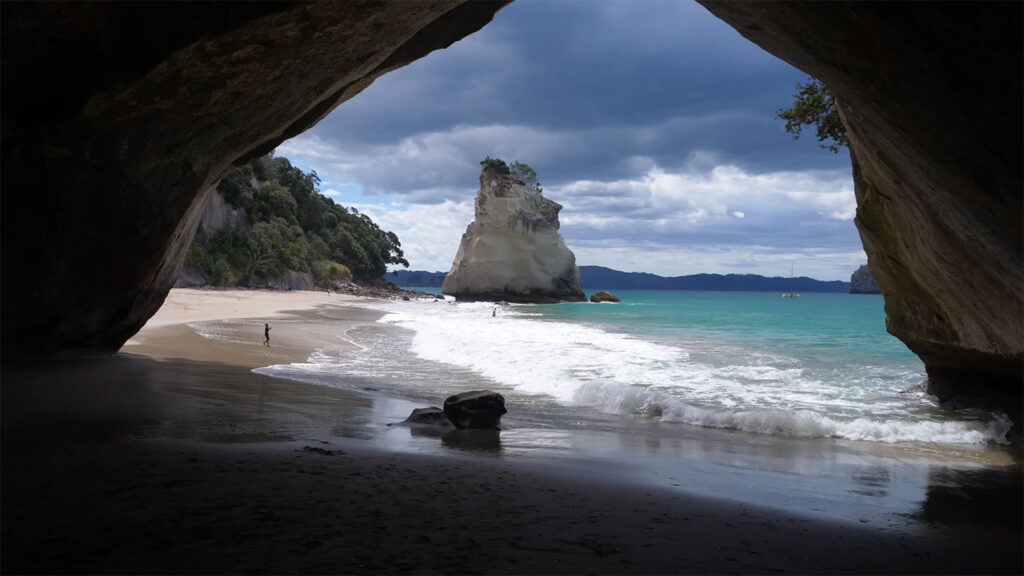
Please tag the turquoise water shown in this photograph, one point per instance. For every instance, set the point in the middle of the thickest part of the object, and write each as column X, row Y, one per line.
column 807, row 405
column 823, row 327
column 821, row 366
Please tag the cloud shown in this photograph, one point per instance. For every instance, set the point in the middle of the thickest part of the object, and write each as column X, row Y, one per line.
column 652, row 123
column 430, row 166
column 675, row 260
column 429, row 233
column 659, row 79
column 722, row 219
column 722, row 204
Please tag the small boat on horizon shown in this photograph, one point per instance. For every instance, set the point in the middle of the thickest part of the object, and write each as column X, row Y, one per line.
column 791, row 294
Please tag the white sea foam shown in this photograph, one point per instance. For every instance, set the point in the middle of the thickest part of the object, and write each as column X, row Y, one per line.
column 702, row 383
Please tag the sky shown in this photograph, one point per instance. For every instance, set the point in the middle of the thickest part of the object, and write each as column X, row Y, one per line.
column 650, row 121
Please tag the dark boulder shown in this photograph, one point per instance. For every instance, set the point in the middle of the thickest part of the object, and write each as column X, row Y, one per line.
column 603, row 297
column 477, row 409
column 432, row 416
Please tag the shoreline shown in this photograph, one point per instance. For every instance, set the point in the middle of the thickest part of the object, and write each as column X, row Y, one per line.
column 168, row 333
column 173, row 457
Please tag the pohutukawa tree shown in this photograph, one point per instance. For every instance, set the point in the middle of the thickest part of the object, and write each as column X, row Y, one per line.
column 813, row 104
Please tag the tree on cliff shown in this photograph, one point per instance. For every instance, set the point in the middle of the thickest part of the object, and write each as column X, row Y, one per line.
column 517, row 169
column 496, row 164
column 293, row 227
column 525, row 173
column 814, row 104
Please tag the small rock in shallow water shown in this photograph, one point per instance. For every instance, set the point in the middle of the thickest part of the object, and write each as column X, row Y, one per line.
column 321, row 451
column 603, row 297
column 432, row 416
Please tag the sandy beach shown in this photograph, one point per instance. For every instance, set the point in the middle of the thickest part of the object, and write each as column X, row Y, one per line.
column 174, row 457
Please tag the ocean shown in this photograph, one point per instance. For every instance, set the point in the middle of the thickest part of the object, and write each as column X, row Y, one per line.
column 818, row 366
column 805, row 403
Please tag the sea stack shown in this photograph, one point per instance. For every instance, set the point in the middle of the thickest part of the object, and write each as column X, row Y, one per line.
column 512, row 250
column 862, row 282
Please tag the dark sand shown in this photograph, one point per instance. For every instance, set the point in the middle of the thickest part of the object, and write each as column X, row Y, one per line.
column 144, row 464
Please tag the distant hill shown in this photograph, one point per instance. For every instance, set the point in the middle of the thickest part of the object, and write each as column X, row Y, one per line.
column 599, row 277
column 416, row 278
column 606, row 278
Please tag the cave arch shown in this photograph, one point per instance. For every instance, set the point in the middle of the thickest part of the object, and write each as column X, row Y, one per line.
column 118, row 118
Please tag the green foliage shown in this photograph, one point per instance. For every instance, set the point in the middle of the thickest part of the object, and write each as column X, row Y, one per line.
column 220, row 272
column 517, row 169
column 496, row 164
column 293, row 228
column 228, row 256
column 814, row 104
column 525, row 173
column 276, row 246
column 328, row 272
column 281, row 203
column 194, row 257
column 235, row 187
column 318, row 249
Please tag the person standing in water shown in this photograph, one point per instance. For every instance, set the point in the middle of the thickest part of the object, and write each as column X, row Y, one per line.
column 266, row 334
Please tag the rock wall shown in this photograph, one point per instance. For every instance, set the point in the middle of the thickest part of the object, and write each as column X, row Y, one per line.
column 862, row 282
column 931, row 97
column 119, row 117
column 512, row 250
column 219, row 214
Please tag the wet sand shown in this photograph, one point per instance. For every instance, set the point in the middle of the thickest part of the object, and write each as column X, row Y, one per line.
column 173, row 457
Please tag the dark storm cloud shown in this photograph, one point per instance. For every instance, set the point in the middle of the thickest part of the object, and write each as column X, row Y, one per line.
column 651, row 122
column 656, row 79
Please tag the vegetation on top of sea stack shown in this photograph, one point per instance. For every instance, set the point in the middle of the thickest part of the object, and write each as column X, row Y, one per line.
column 517, row 169
column 814, row 104
column 292, row 227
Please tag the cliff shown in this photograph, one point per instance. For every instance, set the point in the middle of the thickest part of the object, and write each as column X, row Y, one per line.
column 861, row 282
column 930, row 94
column 119, row 118
column 111, row 147
column 512, row 250
column 219, row 214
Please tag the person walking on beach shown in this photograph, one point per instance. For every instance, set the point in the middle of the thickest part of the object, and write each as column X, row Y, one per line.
column 266, row 334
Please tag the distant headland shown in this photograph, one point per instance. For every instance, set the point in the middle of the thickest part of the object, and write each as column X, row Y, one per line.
column 607, row 278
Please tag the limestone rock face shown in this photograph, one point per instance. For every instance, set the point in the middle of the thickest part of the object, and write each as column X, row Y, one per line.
column 120, row 117
column 219, row 214
column 931, row 96
column 861, row 282
column 512, row 250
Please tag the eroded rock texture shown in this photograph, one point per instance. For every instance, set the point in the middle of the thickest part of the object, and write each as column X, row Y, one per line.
column 119, row 118
column 931, row 96
column 512, row 250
